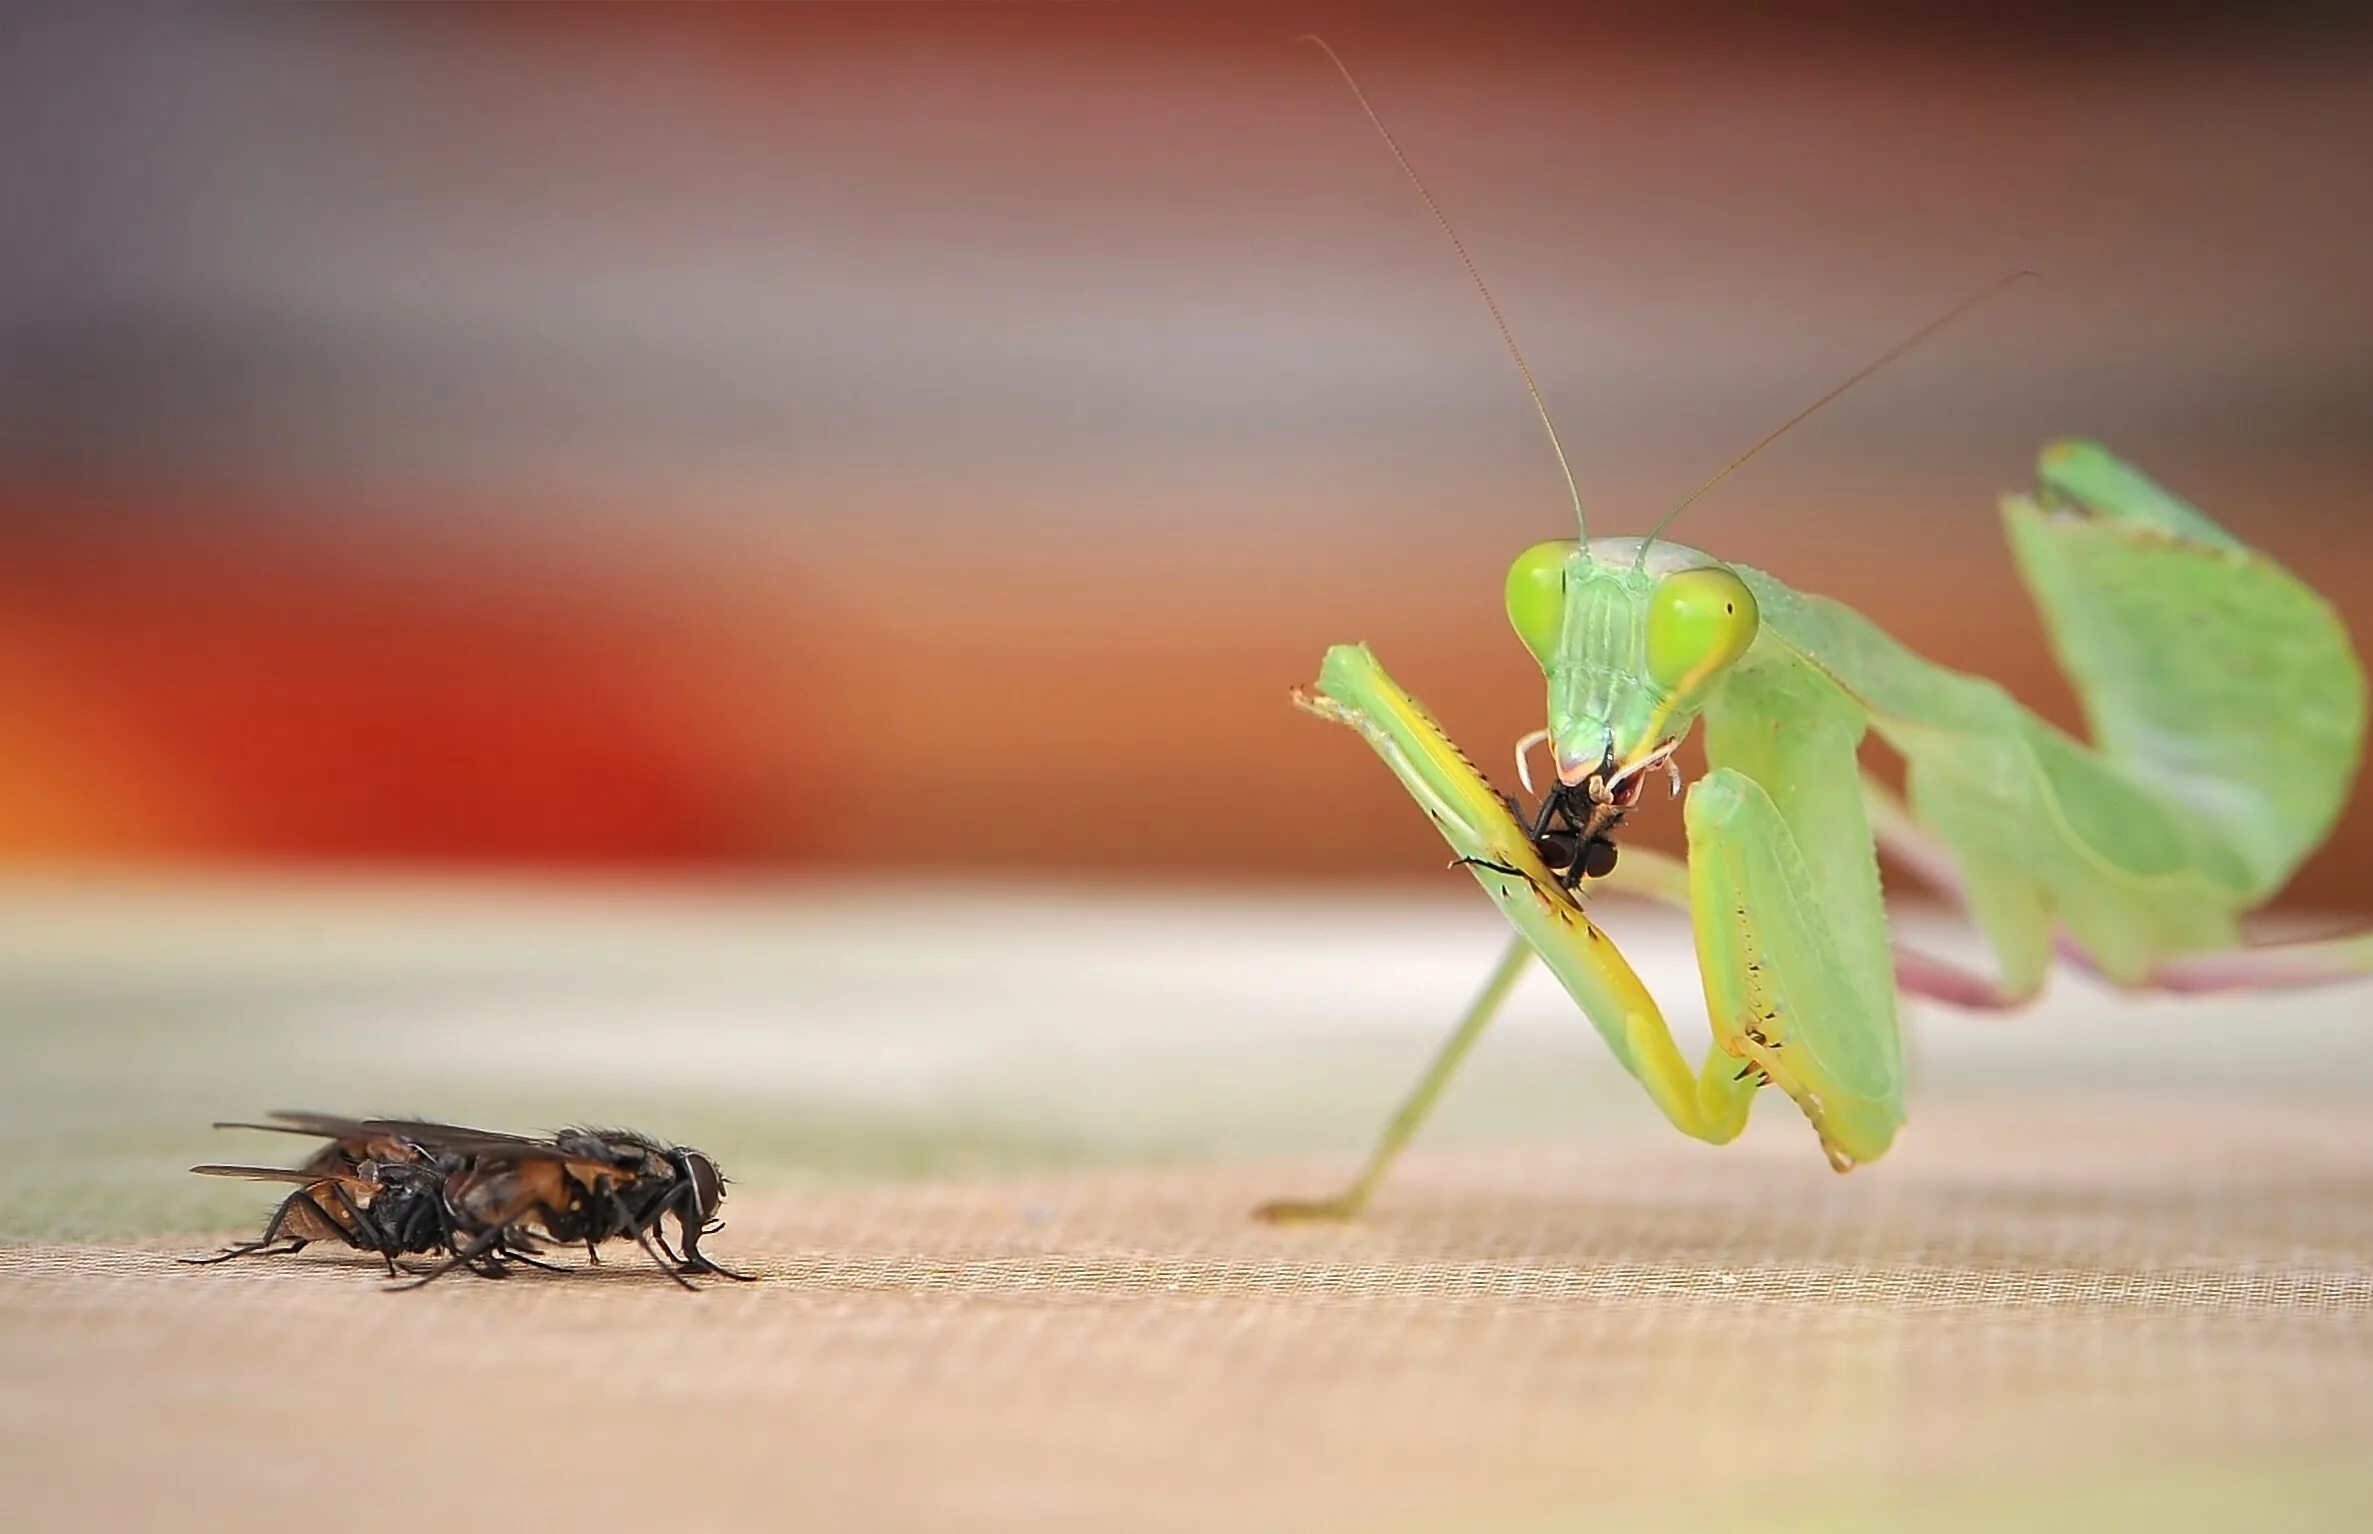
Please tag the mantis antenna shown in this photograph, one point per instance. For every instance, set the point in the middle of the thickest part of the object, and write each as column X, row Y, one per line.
column 1506, row 335
column 1798, row 419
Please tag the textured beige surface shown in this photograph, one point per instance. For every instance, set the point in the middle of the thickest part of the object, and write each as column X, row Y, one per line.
column 994, row 1150
column 2054, row 1317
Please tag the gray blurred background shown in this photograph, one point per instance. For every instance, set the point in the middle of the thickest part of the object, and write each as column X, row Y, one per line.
column 700, row 437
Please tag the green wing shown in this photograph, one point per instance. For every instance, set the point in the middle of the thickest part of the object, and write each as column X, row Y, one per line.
column 2207, row 670
column 2226, row 706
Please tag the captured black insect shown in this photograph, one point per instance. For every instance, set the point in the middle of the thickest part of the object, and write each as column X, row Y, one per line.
column 486, row 1199
column 1573, row 830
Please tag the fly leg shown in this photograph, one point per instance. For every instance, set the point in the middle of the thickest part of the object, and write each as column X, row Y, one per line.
column 363, row 1229
column 467, row 1257
column 640, row 1230
column 518, row 1246
column 487, row 1247
column 694, row 1259
column 699, row 1261
column 261, row 1246
column 248, row 1249
column 515, row 1254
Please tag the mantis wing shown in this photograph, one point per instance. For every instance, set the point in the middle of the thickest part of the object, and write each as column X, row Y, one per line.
column 2227, row 710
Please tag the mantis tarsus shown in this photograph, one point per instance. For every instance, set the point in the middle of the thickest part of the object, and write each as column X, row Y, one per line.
column 2226, row 709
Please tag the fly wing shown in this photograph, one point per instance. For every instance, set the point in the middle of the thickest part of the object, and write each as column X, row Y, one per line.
column 329, row 1126
column 353, row 1139
column 491, row 1147
column 308, row 1176
column 397, row 1138
column 341, row 1127
column 430, row 1133
column 541, row 1152
column 623, row 1151
column 318, row 1124
column 374, row 1136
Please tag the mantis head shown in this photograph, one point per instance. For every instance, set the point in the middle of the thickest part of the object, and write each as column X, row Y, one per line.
column 1633, row 641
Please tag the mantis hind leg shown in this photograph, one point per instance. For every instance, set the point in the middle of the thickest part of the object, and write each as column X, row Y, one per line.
column 2269, row 966
column 1402, row 1127
column 2005, row 907
column 2025, row 944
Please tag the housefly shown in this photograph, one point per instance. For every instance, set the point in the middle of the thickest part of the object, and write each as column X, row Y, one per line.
column 486, row 1198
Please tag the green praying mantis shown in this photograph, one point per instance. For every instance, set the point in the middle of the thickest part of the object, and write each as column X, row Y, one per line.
column 2226, row 708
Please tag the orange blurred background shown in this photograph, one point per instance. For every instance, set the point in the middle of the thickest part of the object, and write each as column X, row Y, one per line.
column 938, row 437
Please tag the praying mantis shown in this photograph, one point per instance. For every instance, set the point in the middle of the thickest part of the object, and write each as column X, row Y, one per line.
column 2226, row 712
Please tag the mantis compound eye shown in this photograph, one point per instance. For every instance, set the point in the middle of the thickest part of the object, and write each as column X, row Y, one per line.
column 1537, row 596
column 1699, row 621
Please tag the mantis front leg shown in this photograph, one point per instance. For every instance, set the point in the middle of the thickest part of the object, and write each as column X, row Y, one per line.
column 1710, row 1103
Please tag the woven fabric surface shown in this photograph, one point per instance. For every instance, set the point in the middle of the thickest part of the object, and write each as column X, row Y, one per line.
column 2061, row 1311
column 2071, row 1298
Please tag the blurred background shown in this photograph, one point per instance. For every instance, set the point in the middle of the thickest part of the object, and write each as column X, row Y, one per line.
column 932, row 438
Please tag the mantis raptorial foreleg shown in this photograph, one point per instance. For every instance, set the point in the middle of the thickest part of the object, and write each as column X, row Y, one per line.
column 1771, row 972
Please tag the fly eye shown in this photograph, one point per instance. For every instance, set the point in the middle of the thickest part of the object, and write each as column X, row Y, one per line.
column 707, row 1186
column 1699, row 621
column 1537, row 595
column 1598, row 860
